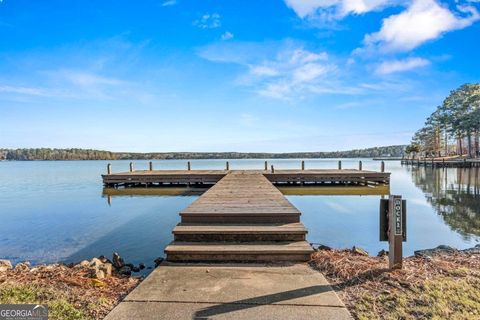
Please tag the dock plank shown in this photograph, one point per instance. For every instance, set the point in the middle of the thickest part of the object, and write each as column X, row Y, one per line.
column 246, row 193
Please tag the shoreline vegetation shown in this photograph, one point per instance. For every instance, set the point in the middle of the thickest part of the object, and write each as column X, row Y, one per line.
column 91, row 154
column 439, row 283
column 71, row 291
column 83, row 290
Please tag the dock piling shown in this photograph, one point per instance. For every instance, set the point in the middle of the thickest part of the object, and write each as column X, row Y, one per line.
column 131, row 166
column 360, row 165
column 303, row 165
column 109, row 168
column 339, row 165
column 382, row 167
column 227, row 166
column 273, row 169
column 150, row 166
column 266, row 165
column 189, row 167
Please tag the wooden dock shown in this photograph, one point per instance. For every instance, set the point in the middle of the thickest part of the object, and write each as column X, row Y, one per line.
column 151, row 178
column 244, row 217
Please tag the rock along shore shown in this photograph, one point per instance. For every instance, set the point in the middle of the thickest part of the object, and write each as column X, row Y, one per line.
column 83, row 290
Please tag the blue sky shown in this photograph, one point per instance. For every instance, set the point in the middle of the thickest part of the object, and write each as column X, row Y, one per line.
column 274, row 76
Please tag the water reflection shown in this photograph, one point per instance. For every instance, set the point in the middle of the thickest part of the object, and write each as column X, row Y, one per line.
column 454, row 193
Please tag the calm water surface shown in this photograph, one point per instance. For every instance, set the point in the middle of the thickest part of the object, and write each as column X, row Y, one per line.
column 54, row 211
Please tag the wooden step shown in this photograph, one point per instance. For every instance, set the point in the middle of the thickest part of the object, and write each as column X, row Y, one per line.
column 244, row 232
column 239, row 217
column 241, row 251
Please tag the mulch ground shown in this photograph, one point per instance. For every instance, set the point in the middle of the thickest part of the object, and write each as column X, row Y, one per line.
column 444, row 286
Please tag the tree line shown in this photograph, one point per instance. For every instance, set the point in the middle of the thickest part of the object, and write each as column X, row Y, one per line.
column 56, row 154
column 90, row 154
column 453, row 128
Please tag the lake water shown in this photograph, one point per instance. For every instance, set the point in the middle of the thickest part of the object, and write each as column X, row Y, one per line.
column 53, row 211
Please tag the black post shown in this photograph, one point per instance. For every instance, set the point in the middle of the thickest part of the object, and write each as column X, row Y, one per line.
column 393, row 228
column 395, row 231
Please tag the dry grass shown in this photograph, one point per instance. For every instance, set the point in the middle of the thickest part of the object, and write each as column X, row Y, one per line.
column 69, row 292
column 443, row 287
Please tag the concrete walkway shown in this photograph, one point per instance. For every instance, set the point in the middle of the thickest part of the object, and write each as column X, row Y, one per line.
column 232, row 291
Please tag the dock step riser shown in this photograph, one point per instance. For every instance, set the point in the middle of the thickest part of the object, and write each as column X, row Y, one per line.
column 237, row 257
column 238, row 237
column 239, row 219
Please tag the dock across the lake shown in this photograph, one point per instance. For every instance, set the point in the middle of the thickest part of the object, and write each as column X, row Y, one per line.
column 443, row 163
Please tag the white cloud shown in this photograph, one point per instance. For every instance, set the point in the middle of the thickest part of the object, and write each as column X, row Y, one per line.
column 288, row 71
column 292, row 72
column 263, row 71
column 277, row 90
column 248, row 119
column 29, row 91
column 87, row 79
column 302, row 56
column 422, row 21
column 276, row 71
column 208, row 21
column 309, row 72
column 169, row 3
column 393, row 66
column 227, row 35
column 73, row 84
column 335, row 9
column 304, row 8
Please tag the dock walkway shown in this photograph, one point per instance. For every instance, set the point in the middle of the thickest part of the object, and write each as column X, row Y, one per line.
column 242, row 218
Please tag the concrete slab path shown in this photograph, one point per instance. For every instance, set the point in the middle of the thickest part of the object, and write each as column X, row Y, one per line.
column 232, row 291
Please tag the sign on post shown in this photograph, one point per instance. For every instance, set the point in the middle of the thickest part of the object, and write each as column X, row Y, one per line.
column 393, row 227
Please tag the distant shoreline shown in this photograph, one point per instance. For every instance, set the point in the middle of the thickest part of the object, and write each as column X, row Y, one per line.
column 40, row 154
